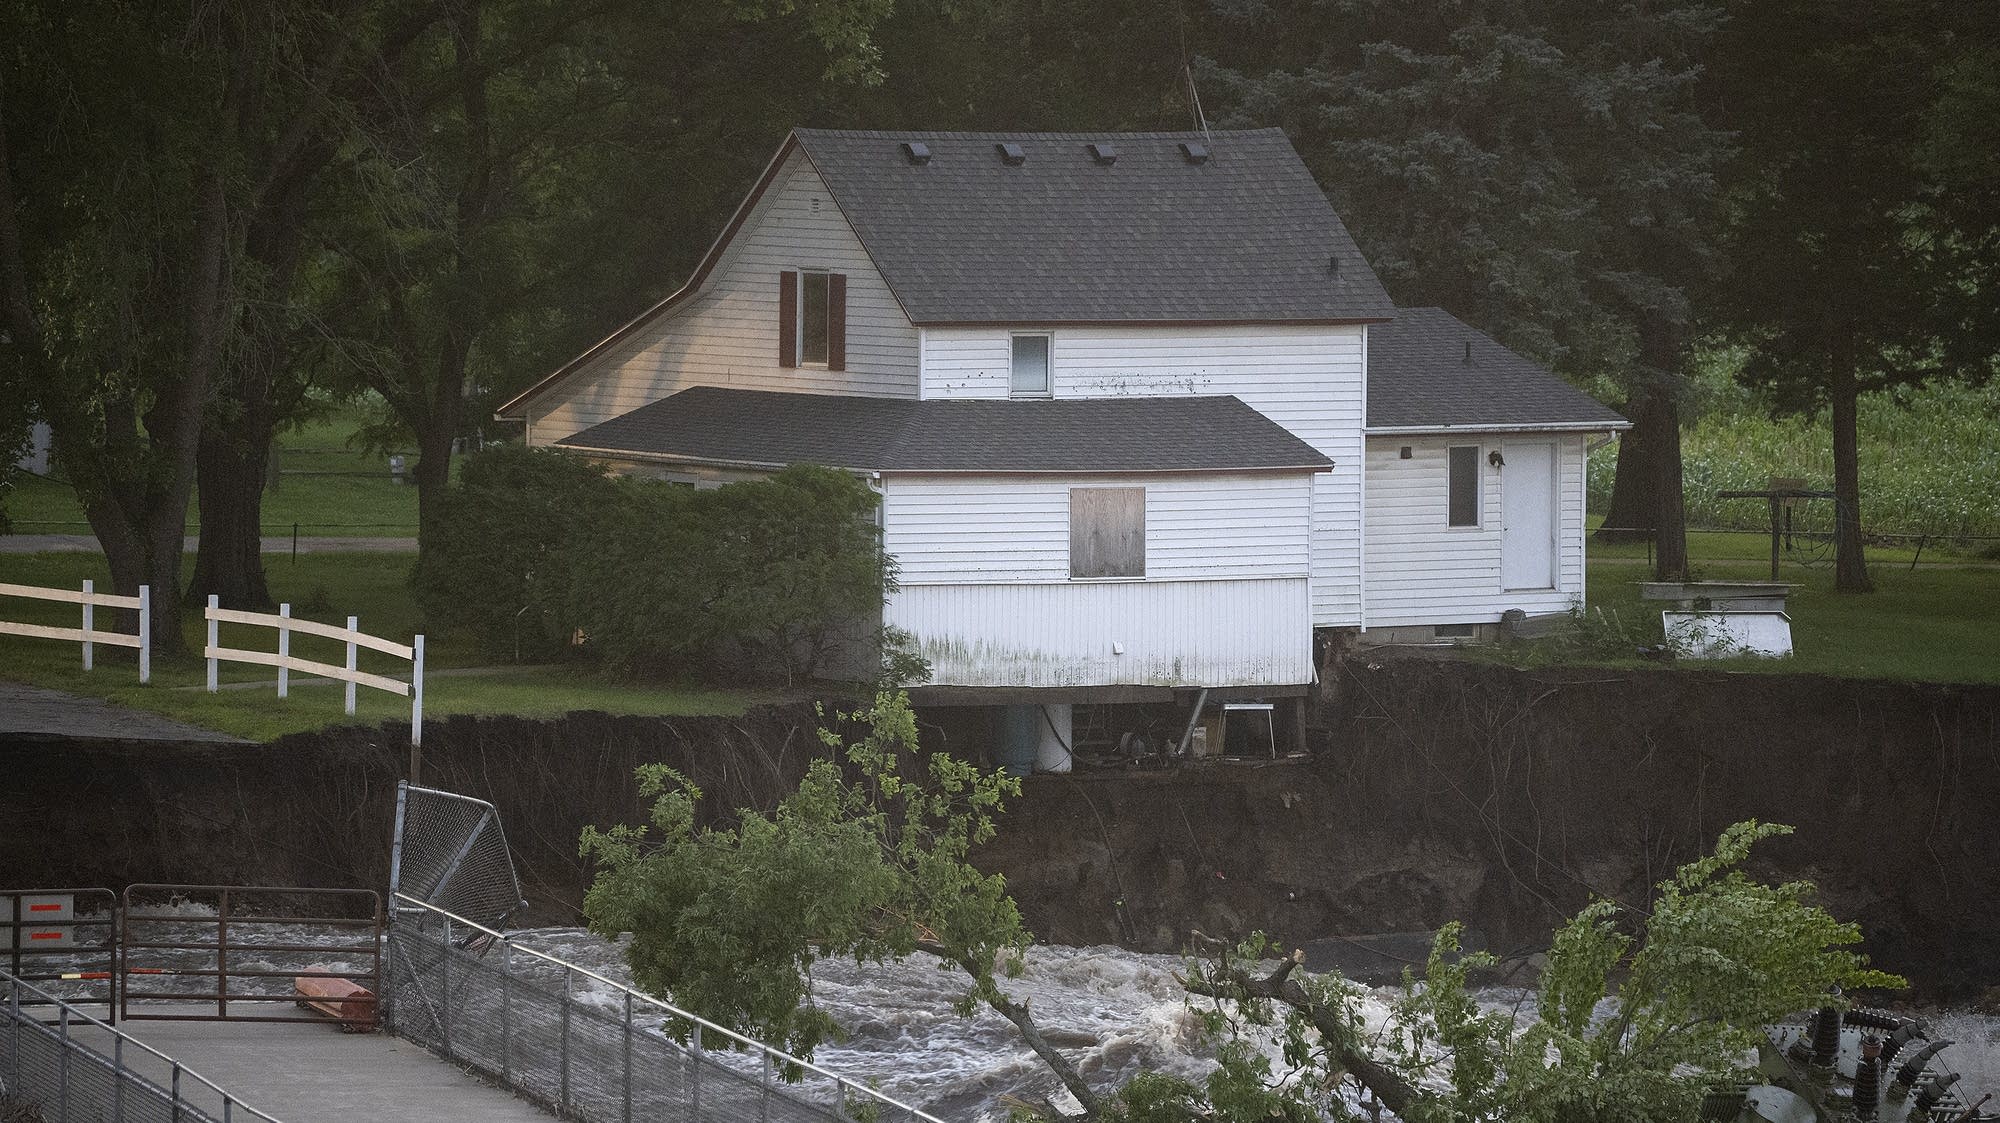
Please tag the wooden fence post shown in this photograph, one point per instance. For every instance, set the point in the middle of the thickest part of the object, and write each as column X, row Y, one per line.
column 284, row 650
column 353, row 625
column 89, row 591
column 416, row 707
column 214, row 638
column 145, row 634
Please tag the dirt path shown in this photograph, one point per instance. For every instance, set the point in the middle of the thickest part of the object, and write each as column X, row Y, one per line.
column 29, row 713
column 273, row 544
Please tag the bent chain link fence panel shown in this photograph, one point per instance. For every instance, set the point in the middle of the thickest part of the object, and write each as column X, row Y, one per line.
column 590, row 1048
column 451, row 852
column 72, row 1068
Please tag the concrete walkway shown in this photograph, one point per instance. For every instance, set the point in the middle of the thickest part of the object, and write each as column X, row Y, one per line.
column 32, row 713
column 307, row 1073
column 273, row 544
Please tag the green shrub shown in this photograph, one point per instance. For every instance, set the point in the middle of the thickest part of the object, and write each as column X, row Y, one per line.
column 773, row 578
column 498, row 565
column 779, row 575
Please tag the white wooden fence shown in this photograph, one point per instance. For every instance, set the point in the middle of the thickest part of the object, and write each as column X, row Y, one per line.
column 88, row 635
column 286, row 662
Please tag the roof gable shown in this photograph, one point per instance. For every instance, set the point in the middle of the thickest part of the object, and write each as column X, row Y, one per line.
column 1062, row 236
column 1072, row 436
column 1429, row 370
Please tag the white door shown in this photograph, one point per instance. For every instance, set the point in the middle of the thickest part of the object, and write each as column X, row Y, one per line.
column 1528, row 515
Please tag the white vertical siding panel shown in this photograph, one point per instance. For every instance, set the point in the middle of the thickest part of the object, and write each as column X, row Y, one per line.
column 1308, row 379
column 1423, row 571
column 1111, row 633
column 727, row 335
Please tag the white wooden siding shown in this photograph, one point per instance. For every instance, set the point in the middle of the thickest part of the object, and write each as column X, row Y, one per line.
column 1171, row 633
column 986, row 588
column 727, row 335
column 951, row 529
column 1421, row 571
column 1308, row 379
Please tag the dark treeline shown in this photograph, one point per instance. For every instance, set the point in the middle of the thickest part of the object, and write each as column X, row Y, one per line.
column 214, row 216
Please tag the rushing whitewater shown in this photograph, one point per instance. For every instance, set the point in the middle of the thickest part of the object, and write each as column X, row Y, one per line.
column 1114, row 1012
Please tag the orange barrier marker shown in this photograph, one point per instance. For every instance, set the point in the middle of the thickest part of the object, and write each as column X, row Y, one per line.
column 336, row 998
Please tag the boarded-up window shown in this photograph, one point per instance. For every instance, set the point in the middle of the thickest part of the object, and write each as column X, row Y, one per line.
column 1107, row 532
column 1464, row 489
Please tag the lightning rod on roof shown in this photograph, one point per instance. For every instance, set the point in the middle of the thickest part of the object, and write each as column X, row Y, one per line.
column 1194, row 95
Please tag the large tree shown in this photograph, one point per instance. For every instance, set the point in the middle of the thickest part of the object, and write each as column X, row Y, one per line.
column 1537, row 167
column 1863, row 229
column 137, row 145
column 516, row 175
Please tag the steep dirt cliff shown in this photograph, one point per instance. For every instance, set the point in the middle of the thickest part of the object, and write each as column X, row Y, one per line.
column 1439, row 791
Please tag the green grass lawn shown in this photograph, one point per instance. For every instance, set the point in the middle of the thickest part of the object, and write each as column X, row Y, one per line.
column 338, row 503
column 323, row 587
column 1938, row 624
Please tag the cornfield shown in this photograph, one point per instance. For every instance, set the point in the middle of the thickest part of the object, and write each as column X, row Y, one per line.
column 1930, row 464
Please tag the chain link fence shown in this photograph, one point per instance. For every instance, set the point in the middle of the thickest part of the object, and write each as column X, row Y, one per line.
column 72, row 1068
column 590, row 1048
column 450, row 852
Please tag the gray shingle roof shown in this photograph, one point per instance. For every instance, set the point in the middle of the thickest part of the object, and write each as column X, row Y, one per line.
column 1418, row 377
column 1061, row 238
column 1193, row 433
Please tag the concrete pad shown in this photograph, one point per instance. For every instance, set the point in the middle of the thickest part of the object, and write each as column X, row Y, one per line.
column 313, row 1073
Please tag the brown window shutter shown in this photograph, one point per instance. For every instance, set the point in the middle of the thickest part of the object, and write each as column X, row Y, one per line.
column 836, row 321
column 788, row 319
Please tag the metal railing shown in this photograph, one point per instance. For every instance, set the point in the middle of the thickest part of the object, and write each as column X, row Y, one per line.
column 77, row 1068
column 175, row 946
column 589, row 1047
column 52, row 936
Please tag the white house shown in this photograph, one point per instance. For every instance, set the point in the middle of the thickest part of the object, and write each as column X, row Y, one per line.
column 1141, row 416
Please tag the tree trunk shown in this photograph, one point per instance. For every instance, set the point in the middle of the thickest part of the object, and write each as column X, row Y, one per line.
column 1850, row 568
column 1658, row 426
column 433, row 470
column 230, row 470
column 1670, row 549
column 1632, row 517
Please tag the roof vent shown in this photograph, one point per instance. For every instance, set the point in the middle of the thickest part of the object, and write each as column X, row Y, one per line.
column 1195, row 153
column 917, row 152
column 1104, row 153
column 1011, row 154
column 1468, row 350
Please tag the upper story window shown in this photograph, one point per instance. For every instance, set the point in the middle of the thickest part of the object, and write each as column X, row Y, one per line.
column 1031, row 367
column 1462, row 500
column 1107, row 532
column 812, row 319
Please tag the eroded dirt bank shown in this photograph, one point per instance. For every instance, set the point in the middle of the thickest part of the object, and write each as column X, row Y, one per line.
column 1440, row 791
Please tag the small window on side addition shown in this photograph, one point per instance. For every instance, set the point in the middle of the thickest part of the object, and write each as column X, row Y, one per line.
column 1463, row 500
column 1031, row 366
column 1107, row 532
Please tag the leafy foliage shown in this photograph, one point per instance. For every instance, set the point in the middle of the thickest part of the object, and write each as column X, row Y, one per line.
column 867, row 859
column 1719, row 955
column 500, row 565
column 783, row 572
